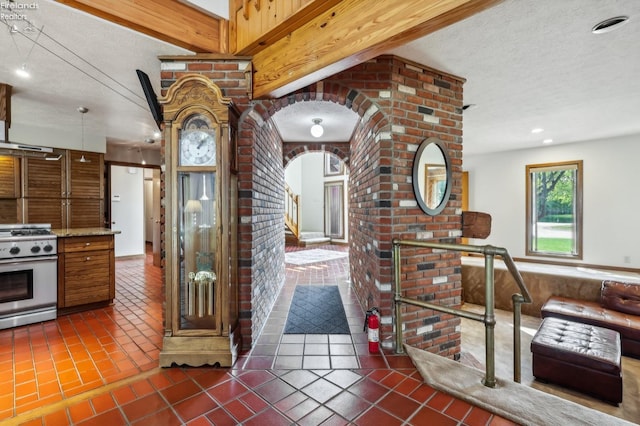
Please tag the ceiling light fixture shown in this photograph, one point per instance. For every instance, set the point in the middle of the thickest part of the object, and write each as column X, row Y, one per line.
column 609, row 25
column 156, row 134
column 546, row 141
column 316, row 129
column 83, row 110
column 141, row 157
column 537, row 130
column 23, row 71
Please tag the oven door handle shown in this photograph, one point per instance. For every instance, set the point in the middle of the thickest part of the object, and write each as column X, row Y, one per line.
column 25, row 260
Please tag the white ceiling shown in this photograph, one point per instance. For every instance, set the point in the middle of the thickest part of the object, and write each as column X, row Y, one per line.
column 80, row 60
column 527, row 63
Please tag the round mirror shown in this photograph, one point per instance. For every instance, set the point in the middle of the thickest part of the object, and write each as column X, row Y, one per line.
column 432, row 176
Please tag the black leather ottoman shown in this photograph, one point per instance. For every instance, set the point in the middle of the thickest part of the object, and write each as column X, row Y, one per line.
column 579, row 356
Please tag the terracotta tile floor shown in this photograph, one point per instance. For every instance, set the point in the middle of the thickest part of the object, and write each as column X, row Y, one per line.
column 100, row 368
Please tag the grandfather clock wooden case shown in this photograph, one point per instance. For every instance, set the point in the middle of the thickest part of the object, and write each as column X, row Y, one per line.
column 201, row 313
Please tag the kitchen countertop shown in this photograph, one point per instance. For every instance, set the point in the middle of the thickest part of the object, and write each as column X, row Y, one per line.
column 83, row 232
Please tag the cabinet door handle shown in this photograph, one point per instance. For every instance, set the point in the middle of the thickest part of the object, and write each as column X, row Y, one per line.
column 87, row 244
column 87, row 258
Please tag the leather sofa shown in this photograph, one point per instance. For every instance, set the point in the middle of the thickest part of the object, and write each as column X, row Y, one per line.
column 618, row 309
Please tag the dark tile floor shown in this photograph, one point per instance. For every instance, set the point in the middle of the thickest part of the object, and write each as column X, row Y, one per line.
column 101, row 368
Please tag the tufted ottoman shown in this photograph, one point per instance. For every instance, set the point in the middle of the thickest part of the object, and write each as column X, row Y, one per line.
column 579, row 356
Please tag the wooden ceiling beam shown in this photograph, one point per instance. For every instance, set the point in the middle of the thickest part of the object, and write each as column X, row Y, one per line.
column 349, row 33
column 166, row 20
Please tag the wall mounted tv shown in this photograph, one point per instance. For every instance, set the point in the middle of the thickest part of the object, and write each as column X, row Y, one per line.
column 152, row 99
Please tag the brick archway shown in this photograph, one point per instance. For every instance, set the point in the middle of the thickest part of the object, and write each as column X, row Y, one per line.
column 259, row 147
column 292, row 150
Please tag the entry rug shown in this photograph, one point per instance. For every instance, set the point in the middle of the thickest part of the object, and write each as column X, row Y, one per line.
column 304, row 257
column 316, row 310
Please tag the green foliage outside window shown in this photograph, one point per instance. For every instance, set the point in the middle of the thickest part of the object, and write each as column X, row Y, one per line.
column 553, row 217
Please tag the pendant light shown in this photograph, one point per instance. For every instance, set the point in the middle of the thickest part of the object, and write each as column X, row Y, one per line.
column 83, row 110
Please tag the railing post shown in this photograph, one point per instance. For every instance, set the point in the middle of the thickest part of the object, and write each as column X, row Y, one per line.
column 489, row 322
column 397, row 296
column 517, row 356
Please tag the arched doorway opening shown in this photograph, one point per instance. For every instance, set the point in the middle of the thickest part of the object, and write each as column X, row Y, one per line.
column 316, row 200
column 262, row 270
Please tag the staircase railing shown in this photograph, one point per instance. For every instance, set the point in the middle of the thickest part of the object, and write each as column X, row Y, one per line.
column 488, row 318
column 292, row 211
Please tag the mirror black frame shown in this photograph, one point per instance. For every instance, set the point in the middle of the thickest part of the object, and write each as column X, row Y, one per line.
column 416, row 179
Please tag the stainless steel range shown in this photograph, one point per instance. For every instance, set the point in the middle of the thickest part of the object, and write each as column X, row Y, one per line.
column 28, row 274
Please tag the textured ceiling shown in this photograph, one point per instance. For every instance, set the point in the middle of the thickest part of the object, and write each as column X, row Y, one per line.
column 527, row 63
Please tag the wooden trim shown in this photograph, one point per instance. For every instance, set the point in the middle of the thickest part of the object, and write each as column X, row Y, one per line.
column 552, row 262
column 5, row 108
column 280, row 29
column 576, row 265
column 349, row 33
column 577, row 201
column 203, row 57
column 167, row 20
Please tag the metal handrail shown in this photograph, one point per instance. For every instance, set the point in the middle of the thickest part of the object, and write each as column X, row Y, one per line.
column 488, row 318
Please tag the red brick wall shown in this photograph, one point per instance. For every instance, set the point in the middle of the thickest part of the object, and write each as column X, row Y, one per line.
column 400, row 104
column 414, row 103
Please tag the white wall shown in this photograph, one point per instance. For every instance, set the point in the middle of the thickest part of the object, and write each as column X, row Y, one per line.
column 610, row 203
column 127, row 186
column 293, row 175
column 53, row 138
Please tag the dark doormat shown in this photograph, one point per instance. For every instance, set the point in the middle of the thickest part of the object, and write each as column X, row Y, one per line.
column 316, row 310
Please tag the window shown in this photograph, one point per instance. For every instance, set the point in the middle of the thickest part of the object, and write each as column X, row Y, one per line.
column 554, row 209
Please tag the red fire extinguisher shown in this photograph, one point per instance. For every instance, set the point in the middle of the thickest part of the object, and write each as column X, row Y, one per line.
column 371, row 325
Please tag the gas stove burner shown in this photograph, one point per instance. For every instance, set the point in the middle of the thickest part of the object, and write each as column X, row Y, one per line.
column 20, row 232
column 25, row 229
column 24, row 241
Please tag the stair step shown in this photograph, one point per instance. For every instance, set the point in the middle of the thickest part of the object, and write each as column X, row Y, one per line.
column 311, row 235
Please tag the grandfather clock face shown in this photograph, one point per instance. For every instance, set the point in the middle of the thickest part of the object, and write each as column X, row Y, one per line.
column 197, row 142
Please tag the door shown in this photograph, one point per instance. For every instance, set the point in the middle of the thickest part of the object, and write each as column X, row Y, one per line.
column 152, row 211
column 127, row 210
column 155, row 244
column 334, row 209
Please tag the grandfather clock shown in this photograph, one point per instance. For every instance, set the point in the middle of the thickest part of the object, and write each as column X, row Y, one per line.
column 201, row 312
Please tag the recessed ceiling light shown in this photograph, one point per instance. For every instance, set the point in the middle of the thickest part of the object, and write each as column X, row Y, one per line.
column 537, row 130
column 547, row 141
column 609, row 25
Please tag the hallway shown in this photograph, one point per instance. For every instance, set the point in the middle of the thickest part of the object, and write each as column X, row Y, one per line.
column 100, row 367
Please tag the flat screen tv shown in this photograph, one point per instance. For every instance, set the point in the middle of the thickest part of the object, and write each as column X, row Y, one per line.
column 152, row 99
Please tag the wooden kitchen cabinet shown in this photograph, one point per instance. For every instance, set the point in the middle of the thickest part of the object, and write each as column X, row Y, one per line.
column 45, row 210
column 44, row 178
column 9, row 177
column 86, row 272
column 65, row 212
column 85, row 179
column 10, row 203
column 66, row 193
